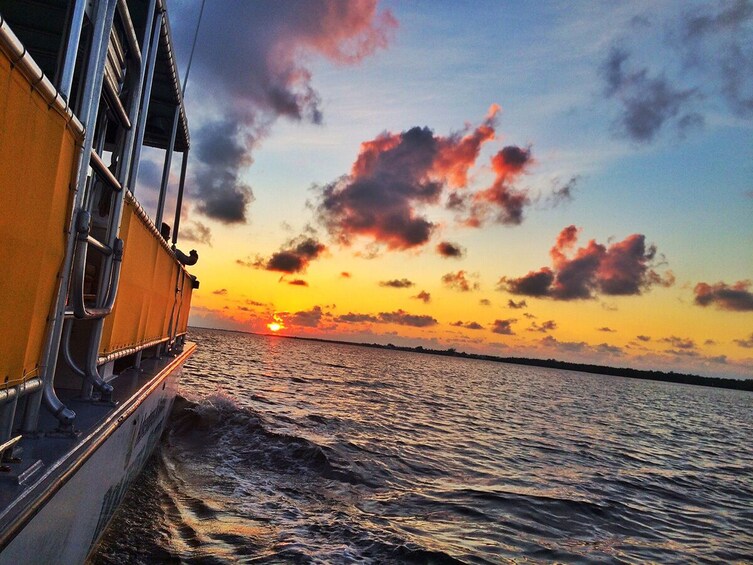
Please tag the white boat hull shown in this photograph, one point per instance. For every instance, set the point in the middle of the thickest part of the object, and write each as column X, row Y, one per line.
column 84, row 489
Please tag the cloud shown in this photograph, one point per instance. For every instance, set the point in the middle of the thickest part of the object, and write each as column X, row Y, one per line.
column 271, row 79
column 195, row 232
column 503, row 327
column 544, row 327
column 535, row 283
column 351, row 318
column 708, row 49
column 643, row 338
column 423, row 296
column 562, row 193
column 393, row 176
column 735, row 298
column 606, row 330
column 619, row 269
column 718, row 38
column 647, row 102
column 516, row 305
column 485, row 302
column 502, row 200
column 399, row 317
column 397, row 283
column 345, row 275
column 298, row 282
column 679, row 342
column 447, row 249
column 305, row 318
column 220, row 291
column 460, row 281
column 609, row 349
column 747, row 343
column 402, row 318
column 570, row 346
column 294, row 257
column 222, row 150
column 467, row 325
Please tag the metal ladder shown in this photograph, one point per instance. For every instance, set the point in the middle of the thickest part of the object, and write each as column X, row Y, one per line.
column 116, row 69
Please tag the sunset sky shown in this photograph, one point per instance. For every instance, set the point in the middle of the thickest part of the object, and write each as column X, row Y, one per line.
column 556, row 180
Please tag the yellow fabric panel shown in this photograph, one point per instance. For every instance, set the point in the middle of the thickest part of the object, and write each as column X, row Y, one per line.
column 163, row 295
column 38, row 158
column 147, row 297
column 126, row 326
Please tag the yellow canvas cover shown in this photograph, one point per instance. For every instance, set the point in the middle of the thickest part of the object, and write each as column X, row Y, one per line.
column 149, row 293
column 38, row 159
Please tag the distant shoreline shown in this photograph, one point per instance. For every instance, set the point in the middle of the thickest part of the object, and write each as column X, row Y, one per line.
column 671, row 376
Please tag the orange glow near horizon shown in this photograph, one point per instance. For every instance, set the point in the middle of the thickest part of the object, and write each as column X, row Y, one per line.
column 275, row 327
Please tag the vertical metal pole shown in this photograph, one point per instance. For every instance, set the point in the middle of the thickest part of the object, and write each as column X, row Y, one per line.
column 145, row 97
column 143, row 88
column 166, row 169
column 71, row 49
column 179, row 203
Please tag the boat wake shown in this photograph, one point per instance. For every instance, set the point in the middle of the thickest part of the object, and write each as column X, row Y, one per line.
column 226, row 487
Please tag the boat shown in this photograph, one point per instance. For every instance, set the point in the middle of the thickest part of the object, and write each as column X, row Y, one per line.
column 94, row 292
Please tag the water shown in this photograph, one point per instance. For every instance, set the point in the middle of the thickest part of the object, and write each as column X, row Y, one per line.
column 306, row 452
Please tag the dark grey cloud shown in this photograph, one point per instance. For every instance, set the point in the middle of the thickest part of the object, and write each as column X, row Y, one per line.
column 403, row 318
column 352, row 318
column 503, row 201
column 305, row 318
column 708, row 52
column 569, row 346
column 398, row 317
column 447, row 249
column 196, row 232
column 563, row 192
column 543, row 327
column 733, row 297
column 747, row 342
column 679, row 342
column 647, row 102
column 504, row 327
column 516, row 305
column 467, row 325
column 719, row 38
column 223, row 149
column 423, row 296
column 397, row 283
column 617, row 269
column 220, row 291
column 394, row 176
column 609, row 349
column 271, row 79
column 294, row 257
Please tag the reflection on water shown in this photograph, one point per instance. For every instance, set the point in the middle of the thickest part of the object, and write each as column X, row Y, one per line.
column 298, row 452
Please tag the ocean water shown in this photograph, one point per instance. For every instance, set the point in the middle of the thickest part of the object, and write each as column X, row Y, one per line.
column 290, row 451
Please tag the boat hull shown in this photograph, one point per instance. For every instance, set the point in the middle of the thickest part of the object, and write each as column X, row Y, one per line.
column 64, row 516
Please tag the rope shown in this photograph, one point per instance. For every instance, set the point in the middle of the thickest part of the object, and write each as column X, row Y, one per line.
column 193, row 48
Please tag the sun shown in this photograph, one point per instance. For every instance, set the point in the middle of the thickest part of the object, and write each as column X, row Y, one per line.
column 274, row 326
